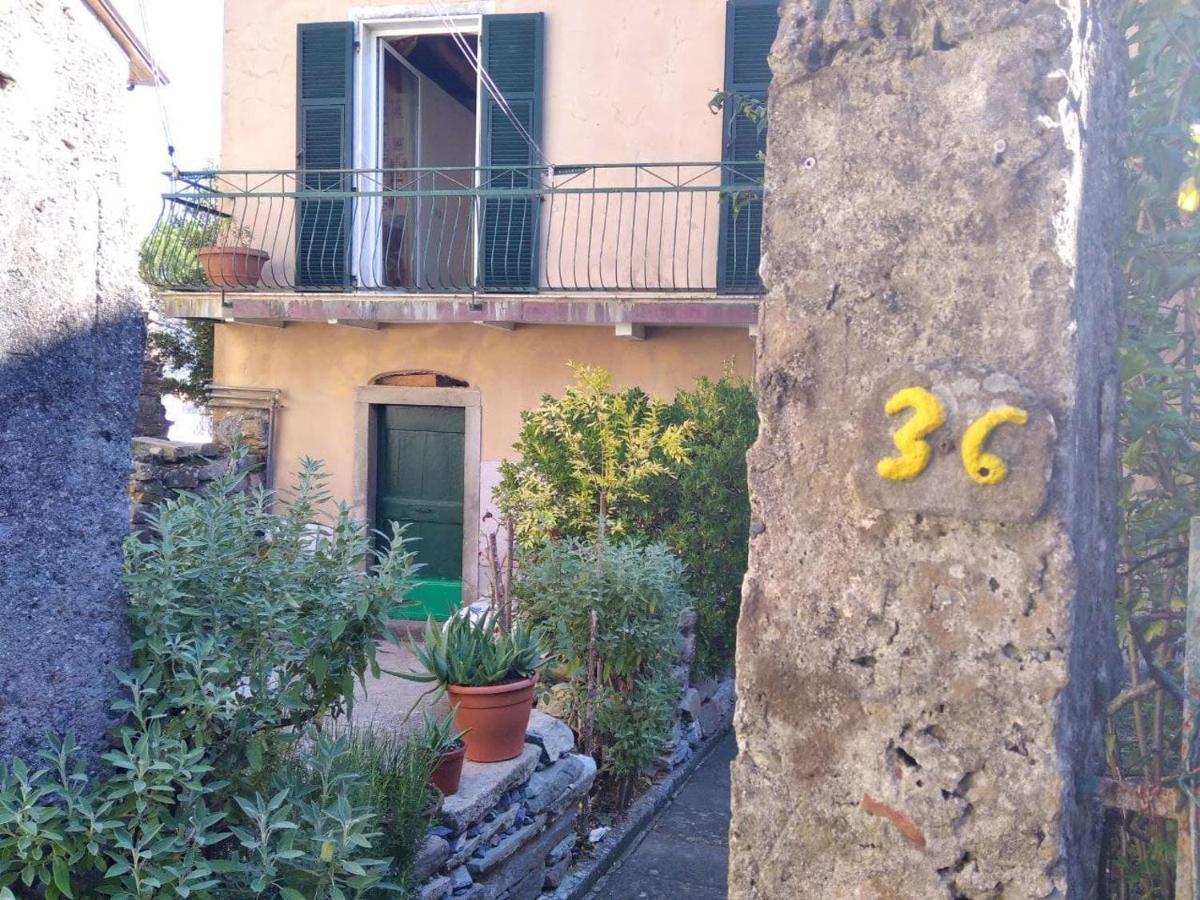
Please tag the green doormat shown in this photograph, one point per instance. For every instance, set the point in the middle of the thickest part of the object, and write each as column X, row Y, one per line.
column 437, row 597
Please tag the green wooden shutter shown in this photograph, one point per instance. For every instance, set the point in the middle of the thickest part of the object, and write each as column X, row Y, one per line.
column 513, row 56
column 750, row 27
column 324, row 113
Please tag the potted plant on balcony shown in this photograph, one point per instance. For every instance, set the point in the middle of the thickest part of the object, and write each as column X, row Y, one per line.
column 447, row 747
column 230, row 261
column 490, row 675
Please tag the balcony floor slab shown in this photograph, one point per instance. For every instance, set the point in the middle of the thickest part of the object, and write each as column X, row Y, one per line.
column 602, row 309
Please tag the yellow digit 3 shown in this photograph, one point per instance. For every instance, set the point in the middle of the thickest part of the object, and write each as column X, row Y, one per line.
column 988, row 468
column 914, row 452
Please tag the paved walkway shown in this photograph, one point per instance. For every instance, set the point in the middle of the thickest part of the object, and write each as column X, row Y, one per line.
column 685, row 852
column 387, row 700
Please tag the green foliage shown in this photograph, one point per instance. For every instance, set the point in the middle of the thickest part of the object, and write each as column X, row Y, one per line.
column 249, row 627
column 393, row 778
column 475, row 652
column 186, row 349
column 1160, row 425
column 441, row 735
column 168, row 253
column 703, row 512
column 168, row 257
column 636, row 593
column 587, row 457
column 258, row 620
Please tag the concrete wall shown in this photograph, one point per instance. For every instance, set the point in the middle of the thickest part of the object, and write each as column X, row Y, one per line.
column 318, row 367
column 922, row 677
column 70, row 368
column 597, row 52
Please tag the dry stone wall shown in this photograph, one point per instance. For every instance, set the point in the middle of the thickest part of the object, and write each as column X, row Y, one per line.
column 162, row 468
column 509, row 831
column 922, row 667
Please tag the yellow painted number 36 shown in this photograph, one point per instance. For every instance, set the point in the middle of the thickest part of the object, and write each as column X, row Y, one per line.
column 929, row 414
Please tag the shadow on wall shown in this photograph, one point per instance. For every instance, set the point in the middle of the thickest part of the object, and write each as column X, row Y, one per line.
column 66, row 417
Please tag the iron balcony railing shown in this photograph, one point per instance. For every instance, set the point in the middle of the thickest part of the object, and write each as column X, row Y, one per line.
column 671, row 227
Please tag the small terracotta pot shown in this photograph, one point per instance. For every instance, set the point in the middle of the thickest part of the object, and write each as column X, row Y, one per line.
column 448, row 771
column 232, row 266
column 495, row 718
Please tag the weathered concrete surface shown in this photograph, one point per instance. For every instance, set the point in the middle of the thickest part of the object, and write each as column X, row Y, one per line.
column 71, row 335
column 920, row 695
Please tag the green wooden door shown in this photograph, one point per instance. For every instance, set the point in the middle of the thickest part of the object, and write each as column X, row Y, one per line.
column 419, row 483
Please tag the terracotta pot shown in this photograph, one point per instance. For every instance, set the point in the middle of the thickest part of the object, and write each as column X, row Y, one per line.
column 495, row 718
column 448, row 771
column 232, row 267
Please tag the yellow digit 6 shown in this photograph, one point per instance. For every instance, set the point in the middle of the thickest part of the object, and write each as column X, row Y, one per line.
column 988, row 468
column 914, row 452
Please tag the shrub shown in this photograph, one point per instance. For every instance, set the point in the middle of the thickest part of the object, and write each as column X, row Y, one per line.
column 703, row 511
column 247, row 627
column 587, row 458
column 393, row 778
column 257, row 620
column 634, row 590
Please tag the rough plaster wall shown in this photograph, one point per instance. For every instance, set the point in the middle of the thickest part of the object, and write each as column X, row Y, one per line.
column 70, row 367
column 920, row 696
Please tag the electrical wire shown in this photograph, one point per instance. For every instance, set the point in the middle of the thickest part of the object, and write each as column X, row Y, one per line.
column 162, row 109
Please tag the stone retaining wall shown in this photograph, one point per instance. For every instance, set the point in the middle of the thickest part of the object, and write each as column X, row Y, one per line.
column 508, row 833
column 705, row 707
column 163, row 468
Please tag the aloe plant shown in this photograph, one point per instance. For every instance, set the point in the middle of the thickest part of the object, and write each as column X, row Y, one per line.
column 441, row 735
column 475, row 652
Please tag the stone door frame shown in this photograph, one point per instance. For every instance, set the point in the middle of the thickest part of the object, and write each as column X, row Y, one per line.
column 364, row 459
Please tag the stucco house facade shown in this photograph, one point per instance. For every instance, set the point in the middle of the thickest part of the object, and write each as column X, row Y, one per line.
column 425, row 210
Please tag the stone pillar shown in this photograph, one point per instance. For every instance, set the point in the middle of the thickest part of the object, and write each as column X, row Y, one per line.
column 925, row 645
column 71, row 337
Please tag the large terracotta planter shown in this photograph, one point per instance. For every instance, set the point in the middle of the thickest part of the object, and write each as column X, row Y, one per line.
column 495, row 718
column 448, row 771
column 232, row 267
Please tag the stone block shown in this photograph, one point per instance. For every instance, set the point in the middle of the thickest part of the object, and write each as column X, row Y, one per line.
column 181, row 477
column 482, row 785
column 681, row 675
column 431, row 857
column 437, row 889
column 717, row 710
column 579, row 787
column 690, row 703
column 552, row 735
column 555, row 873
column 563, row 848
column 487, row 858
column 706, row 688
column 467, row 844
column 687, row 647
column 548, row 785
column 147, row 448
column 144, row 471
column 460, row 879
column 529, row 887
column 528, row 858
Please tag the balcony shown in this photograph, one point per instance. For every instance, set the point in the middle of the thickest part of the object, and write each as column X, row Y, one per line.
column 552, row 244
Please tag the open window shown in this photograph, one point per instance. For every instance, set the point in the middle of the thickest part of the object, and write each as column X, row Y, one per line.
column 430, row 180
column 427, row 155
